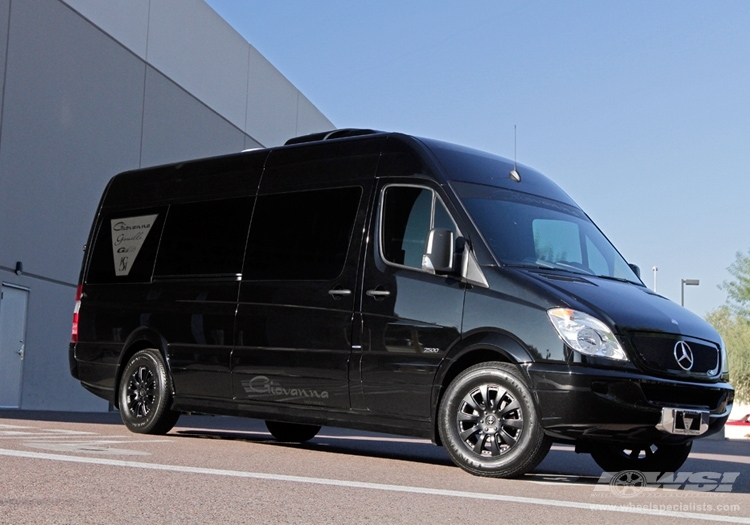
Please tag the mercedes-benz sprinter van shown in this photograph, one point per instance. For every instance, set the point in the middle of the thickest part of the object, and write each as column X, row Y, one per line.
column 385, row 282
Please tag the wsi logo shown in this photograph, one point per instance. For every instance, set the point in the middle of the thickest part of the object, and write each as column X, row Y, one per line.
column 631, row 483
column 264, row 385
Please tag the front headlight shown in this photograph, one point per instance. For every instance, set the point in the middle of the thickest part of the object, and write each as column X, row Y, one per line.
column 586, row 334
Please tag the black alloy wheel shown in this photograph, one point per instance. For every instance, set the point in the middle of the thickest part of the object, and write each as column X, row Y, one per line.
column 489, row 424
column 145, row 395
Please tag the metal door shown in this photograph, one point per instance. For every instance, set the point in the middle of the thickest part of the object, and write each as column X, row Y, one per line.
column 13, row 305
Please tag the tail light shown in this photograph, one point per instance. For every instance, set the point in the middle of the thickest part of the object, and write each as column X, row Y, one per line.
column 74, row 329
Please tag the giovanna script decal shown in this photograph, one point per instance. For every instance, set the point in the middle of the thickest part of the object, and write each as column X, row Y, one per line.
column 264, row 386
column 128, row 235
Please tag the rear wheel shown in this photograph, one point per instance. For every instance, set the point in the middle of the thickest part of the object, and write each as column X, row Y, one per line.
column 292, row 432
column 489, row 424
column 145, row 395
column 645, row 458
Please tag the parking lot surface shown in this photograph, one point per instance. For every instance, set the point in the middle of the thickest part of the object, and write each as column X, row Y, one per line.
column 87, row 468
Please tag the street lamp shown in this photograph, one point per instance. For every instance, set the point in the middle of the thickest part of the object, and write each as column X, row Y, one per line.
column 688, row 282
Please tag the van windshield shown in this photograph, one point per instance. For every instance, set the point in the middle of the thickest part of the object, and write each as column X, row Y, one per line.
column 531, row 231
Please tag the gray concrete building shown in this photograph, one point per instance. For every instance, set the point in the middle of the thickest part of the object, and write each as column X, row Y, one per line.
column 91, row 88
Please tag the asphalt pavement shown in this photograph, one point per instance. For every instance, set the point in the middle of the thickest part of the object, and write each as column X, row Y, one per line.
column 88, row 468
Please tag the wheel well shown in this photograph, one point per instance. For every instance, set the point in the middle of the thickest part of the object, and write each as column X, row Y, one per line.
column 472, row 358
column 480, row 355
column 129, row 352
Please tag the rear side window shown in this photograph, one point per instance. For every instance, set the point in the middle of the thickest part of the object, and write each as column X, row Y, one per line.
column 204, row 238
column 301, row 235
column 126, row 245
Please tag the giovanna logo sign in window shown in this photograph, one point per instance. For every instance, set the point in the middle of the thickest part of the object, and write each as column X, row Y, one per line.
column 128, row 235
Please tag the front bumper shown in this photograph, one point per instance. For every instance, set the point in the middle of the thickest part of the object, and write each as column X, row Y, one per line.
column 581, row 403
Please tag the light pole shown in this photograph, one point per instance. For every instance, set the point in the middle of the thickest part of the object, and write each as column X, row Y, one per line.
column 688, row 282
column 655, row 269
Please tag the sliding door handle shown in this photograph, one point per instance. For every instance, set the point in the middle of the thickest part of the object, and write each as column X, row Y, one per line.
column 338, row 293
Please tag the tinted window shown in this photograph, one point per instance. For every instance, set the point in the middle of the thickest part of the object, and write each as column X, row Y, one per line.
column 126, row 245
column 204, row 238
column 302, row 235
column 408, row 215
column 557, row 241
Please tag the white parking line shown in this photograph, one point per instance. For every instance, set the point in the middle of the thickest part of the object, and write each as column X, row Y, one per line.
column 17, row 434
column 374, row 486
column 94, row 446
column 75, row 441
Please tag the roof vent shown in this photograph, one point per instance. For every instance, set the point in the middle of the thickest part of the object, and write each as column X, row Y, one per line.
column 330, row 135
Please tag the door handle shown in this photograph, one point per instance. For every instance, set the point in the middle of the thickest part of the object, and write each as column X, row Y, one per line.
column 338, row 293
column 21, row 350
column 378, row 293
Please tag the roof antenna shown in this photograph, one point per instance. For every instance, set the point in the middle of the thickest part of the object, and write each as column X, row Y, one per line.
column 514, row 172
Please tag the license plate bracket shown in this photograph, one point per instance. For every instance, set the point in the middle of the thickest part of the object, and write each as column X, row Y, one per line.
column 683, row 421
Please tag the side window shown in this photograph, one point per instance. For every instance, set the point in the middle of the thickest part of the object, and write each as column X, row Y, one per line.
column 301, row 235
column 204, row 238
column 408, row 213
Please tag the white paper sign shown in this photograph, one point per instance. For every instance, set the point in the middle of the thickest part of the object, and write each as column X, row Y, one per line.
column 128, row 235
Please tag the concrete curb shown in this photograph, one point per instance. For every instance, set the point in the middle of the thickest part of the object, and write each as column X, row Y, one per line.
column 738, row 431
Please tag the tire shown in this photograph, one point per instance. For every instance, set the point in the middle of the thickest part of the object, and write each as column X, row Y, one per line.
column 292, row 432
column 644, row 458
column 489, row 424
column 145, row 395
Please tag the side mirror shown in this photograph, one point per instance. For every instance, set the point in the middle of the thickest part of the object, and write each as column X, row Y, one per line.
column 636, row 269
column 438, row 256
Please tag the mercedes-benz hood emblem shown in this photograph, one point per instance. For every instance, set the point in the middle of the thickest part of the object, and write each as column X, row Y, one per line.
column 683, row 355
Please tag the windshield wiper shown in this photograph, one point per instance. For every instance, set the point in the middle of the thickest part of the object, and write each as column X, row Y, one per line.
column 544, row 265
column 532, row 266
column 621, row 279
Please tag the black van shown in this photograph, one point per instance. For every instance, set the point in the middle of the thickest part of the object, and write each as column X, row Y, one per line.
column 384, row 282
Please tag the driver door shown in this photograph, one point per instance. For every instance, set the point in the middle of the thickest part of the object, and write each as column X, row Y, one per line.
column 410, row 317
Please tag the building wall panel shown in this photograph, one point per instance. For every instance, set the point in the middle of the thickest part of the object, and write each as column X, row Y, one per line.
column 177, row 127
column 72, row 118
column 4, row 21
column 192, row 45
column 310, row 119
column 126, row 22
column 272, row 103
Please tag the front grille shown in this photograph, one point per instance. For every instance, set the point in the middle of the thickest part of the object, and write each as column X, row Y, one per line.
column 656, row 353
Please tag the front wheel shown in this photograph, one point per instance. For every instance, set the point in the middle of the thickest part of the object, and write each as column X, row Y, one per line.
column 489, row 424
column 643, row 457
column 145, row 395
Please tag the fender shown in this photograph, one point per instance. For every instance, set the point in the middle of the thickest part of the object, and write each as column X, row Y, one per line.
column 144, row 334
column 504, row 345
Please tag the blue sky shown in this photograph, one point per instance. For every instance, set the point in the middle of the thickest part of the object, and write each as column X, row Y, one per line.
column 640, row 110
